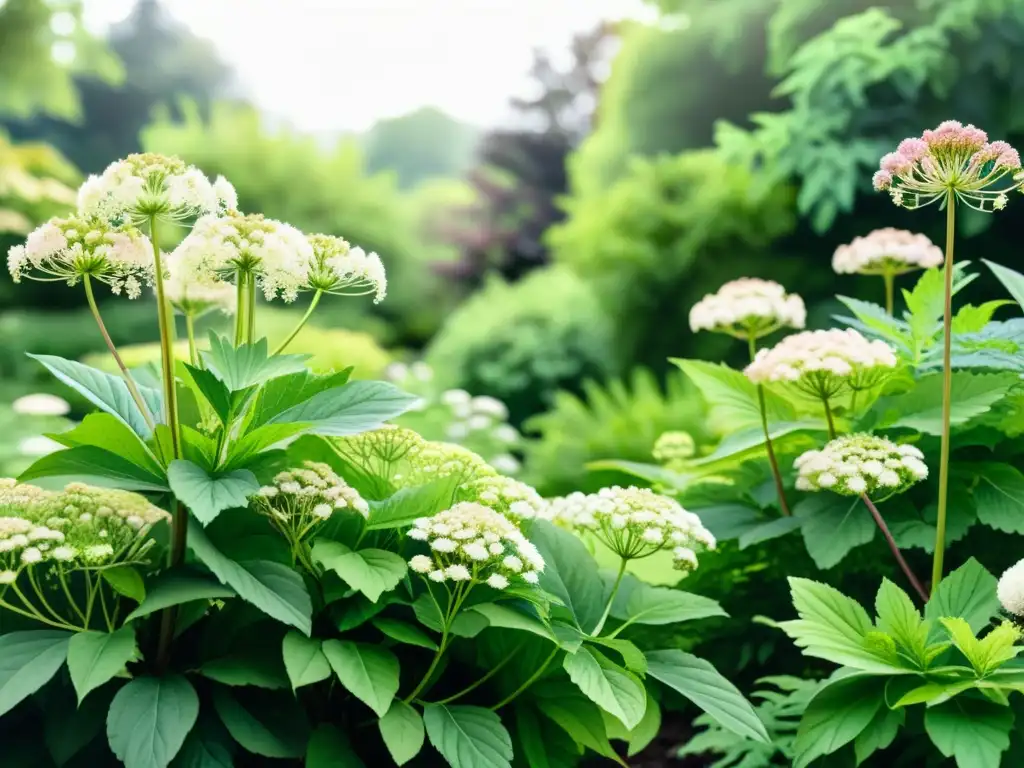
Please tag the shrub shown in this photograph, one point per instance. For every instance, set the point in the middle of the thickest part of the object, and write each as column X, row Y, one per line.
column 521, row 343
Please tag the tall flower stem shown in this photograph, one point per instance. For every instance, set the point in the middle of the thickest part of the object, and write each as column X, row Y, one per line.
column 828, row 417
column 529, row 681
column 190, row 329
column 250, row 326
column 128, row 380
column 890, row 292
column 880, row 521
column 772, row 461
column 305, row 318
column 947, row 385
column 241, row 302
column 611, row 598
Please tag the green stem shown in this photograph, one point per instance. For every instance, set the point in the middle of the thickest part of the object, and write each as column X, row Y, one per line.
column 890, row 292
column 529, row 681
column 441, row 648
column 295, row 332
column 473, row 686
column 67, row 593
column 947, row 384
column 35, row 615
column 880, row 522
column 251, row 312
column 41, row 595
column 828, row 417
column 240, row 304
column 128, row 380
column 611, row 598
column 772, row 461
column 193, row 352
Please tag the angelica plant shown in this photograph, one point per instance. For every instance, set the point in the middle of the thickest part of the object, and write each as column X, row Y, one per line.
column 889, row 253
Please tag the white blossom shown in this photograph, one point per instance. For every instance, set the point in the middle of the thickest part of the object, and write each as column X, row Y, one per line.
column 1010, row 589
column 512, row 498
column 887, row 251
column 856, row 464
column 748, row 307
column 194, row 294
column 336, row 267
column 38, row 445
column 41, row 404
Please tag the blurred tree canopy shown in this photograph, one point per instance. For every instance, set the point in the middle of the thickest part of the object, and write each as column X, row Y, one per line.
column 424, row 144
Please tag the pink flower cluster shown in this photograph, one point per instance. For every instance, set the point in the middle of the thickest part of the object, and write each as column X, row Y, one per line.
column 953, row 158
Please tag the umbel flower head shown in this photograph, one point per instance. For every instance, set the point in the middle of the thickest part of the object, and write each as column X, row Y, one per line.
column 148, row 185
column 887, row 251
column 824, row 363
column 195, row 296
column 512, row 498
column 748, row 308
column 635, row 522
column 472, row 543
column 952, row 159
column 1010, row 590
column 342, row 270
column 428, row 461
column 75, row 247
column 856, row 464
column 380, row 451
column 276, row 255
column 674, row 447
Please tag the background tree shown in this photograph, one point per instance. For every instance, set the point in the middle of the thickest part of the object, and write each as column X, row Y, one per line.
column 424, row 144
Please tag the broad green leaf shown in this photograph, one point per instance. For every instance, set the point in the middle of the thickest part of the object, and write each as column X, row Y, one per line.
column 348, row 410
column 968, row 592
column 96, row 657
column 149, row 719
column 837, row 715
column 246, row 450
column 647, row 730
column 999, row 496
column 207, row 496
column 503, row 616
column 773, row 529
column 177, row 587
column 354, row 611
column 973, row 394
column 833, row 627
column 639, row 603
column 401, row 632
column 1011, row 280
column 934, row 692
column 612, row 688
column 248, row 364
column 927, row 299
column 898, row 617
column 283, row 392
column 570, row 573
column 264, row 723
column 126, row 581
column 330, row 748
column 259, row 666
column 369, row 673
column 973, row 731
column 698, row 681
column 401, row 728
column 876, row 319
column 275, row 589
column 732, row 397
column 68, row 729
column 988, row 654
column 880, row 733
column 972, row 319
column 543, row 743
column 213, row 390
column 654, row 474
column 750, row 442
column 912, row 527
column 93, row 466
column 208, row 746
column 107, row 392
column 370, row 571
column 101, row 430
column 304, row 660
column 400, row 509
column 832, row 526
column 468, row 737
column 28, row 660
column 575, row 714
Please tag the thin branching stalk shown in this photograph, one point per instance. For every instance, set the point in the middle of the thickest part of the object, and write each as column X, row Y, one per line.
column 772, row 461
column 529, row 681
column 890, row 292
column 128, row 380
column 880, row 521
column 490, row 673
column 611, row 598
column 193, row 352
column 947, row 386
column 305, row 318
column 828, row 417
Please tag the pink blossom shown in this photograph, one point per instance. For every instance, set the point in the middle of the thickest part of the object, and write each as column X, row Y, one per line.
column 881, row 180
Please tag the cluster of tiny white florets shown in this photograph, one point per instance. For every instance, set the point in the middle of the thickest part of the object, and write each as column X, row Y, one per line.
column 887, row 251
column 41, row 404
column 856, row 464
column 747, row 308
column 72, row 248
column 512, row 498
column 427, row 461
column 147, row 186
column 674, row 447
column 635, row 522
column 824, row 363
column 194, row 295
column 275, row 255
column 338, row 268
column 473, row 543
column 1010, row 590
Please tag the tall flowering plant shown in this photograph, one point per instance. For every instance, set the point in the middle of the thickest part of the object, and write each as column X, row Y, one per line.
column 247, row 562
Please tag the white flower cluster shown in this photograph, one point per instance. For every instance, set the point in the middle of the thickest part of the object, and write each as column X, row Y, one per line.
column 1010, row 589
column 195, row 295
column 427, row 461
column 748, row 307
column 149, row 185
column 41, row 404
column 824, row 362
column 856, row 464
column 276, row 255
column 72, row 248
column 339, row 269
column 512, row 498
column 674, row 447
column 887, row 251
column 473, row 543
column 399, row 372
column 635, row 522
column 308, row 494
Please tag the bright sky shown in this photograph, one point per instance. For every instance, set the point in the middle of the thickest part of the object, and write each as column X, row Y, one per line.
column 331, row 65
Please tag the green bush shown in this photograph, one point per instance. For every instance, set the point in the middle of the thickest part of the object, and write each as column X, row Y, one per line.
column 622, row 419
column 523, row 342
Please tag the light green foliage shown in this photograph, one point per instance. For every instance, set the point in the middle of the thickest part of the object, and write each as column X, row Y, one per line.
column 521, row 343
column 422, row 145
